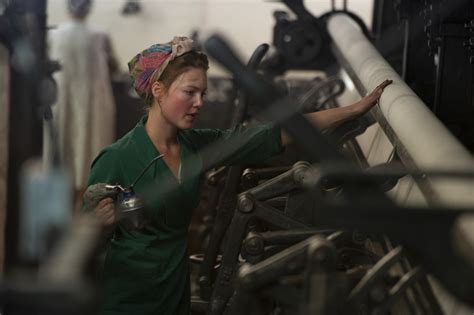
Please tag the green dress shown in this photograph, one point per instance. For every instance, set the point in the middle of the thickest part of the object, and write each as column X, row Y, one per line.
column 146, row 271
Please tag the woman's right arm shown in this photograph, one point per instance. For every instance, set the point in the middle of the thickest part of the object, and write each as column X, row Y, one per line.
column 97, row 200
column 333, row 117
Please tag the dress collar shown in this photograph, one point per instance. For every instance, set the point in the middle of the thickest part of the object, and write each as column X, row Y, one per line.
column 145, row 148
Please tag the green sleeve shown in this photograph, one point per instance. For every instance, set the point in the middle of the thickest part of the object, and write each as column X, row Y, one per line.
column 239, row 145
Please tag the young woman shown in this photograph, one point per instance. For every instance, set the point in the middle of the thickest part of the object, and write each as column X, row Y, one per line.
column 146, row 270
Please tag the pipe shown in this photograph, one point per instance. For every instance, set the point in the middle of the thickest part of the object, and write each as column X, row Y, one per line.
column 427, row 142
column 423, row 141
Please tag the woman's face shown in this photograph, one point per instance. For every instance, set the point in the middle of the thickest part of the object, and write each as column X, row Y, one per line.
column 184, row 98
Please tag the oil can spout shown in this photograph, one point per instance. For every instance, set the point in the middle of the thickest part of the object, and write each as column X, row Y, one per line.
column 144, row 170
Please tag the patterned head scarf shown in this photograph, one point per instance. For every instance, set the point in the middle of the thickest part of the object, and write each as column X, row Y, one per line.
column 148, row 66
column 79, row 7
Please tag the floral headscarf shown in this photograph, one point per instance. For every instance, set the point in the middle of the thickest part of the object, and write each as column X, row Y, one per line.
column 148, row 66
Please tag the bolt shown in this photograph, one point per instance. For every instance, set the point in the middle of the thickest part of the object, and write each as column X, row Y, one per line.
column 254, row 245
column 245, row 204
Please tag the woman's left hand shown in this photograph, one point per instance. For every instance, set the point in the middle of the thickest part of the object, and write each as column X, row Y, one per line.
column 371, row 99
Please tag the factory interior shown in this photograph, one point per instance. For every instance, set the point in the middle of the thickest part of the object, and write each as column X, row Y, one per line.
column 273, row 201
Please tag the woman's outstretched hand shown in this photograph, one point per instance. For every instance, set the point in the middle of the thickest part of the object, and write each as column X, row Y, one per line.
column 371, row 99
column 332, row 117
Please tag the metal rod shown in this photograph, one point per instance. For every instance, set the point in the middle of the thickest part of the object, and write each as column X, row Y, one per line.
column 146, row 168
column 422, row 138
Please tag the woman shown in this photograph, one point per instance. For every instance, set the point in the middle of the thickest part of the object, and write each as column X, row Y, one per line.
column 84, row 114
column 146, row 270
